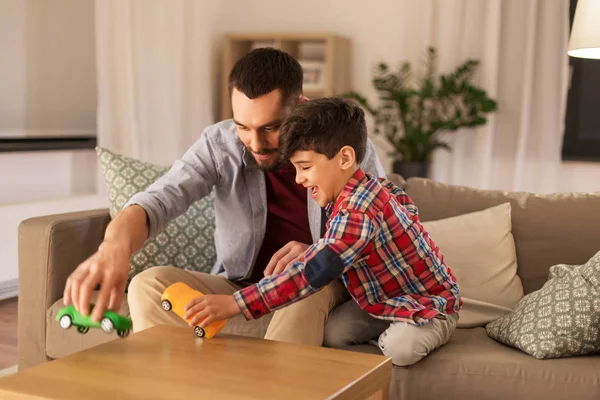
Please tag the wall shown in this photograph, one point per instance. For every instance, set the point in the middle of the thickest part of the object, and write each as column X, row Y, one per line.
column 47, row 88
column 30, row 176
column 48, row 79
column 12, row 68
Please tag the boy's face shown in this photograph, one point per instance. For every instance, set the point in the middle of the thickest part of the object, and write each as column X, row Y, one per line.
column 324, row 177
column 258, row 121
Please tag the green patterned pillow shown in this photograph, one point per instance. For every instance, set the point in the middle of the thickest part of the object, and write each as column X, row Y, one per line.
column 186, row 242
column 562, row 319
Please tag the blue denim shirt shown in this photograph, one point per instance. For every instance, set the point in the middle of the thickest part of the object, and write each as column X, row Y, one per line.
column 218, row 161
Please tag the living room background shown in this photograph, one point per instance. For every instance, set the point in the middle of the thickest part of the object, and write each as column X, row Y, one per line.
column 521, row 46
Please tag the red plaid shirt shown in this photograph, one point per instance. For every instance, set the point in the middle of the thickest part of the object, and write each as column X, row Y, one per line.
column 377, row 246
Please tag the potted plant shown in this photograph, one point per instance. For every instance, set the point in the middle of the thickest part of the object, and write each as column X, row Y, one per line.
column 413, row 114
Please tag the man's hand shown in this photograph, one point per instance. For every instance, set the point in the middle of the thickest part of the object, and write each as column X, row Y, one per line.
column 109, row 267
column 284, row 257
column 209, row 308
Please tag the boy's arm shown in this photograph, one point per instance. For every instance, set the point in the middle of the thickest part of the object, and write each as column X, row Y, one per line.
column 189, row 179
column 348, row 236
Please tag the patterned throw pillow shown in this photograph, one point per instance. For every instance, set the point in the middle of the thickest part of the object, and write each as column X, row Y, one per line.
column 561, row 319
column 186, row 242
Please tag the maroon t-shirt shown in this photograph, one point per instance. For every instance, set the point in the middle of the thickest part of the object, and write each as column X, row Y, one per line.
column 287, row 216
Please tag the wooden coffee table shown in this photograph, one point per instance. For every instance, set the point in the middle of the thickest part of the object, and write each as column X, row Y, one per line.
column 171, row 363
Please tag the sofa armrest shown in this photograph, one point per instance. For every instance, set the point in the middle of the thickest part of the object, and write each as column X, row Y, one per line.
column 50, row 248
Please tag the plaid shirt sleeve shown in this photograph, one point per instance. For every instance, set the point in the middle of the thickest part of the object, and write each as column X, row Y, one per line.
column 348, row 236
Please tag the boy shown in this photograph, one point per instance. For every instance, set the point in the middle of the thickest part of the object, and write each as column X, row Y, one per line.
column 374, row 242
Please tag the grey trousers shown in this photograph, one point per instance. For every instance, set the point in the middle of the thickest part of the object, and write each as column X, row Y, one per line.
column 405, row 343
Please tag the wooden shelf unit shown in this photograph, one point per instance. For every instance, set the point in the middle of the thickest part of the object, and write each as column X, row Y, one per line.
column 331, row 50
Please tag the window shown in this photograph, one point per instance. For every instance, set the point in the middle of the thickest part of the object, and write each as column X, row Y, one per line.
column 582, row 122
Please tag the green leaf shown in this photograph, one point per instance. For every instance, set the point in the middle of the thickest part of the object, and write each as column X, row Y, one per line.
column 411, row 112
column 488, row 105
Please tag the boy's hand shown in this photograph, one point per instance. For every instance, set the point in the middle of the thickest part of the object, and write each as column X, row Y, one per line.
column 284, row 257
column 209, row 308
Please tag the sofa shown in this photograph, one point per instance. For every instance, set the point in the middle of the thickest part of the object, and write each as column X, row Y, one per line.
column 547, row 230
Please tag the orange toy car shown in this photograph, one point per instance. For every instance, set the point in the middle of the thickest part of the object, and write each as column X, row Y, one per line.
column 177, row 296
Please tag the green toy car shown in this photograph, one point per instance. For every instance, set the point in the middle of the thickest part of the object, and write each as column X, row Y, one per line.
column 68, row 316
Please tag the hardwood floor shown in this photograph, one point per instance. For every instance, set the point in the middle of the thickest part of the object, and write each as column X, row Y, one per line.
column 8, row 333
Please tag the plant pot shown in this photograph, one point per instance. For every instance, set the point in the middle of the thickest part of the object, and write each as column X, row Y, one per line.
column 411, row 169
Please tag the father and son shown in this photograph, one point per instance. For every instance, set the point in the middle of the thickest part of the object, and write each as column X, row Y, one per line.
column 306, row 227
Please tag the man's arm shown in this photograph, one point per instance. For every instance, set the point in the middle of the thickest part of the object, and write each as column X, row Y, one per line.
column 349, row 234
column 109, row 266
column 189, row 179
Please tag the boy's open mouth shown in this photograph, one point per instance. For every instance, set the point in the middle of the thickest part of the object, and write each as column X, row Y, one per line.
column 314, row 191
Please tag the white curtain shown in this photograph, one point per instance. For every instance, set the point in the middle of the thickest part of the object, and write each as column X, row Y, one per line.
column 522, row 47
column 154, row 69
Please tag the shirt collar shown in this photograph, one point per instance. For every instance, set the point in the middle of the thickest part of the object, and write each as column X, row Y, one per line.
column 246, row 160
column 356, row 179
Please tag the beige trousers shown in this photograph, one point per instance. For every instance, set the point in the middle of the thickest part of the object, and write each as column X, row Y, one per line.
column 407, row 344
column 301, row 322
column 404, row 343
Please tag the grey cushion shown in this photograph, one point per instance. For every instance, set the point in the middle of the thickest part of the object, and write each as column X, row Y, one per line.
column 562, row 319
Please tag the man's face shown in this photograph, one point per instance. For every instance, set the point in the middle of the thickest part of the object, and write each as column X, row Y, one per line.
column 258, row 121
column 325, row 178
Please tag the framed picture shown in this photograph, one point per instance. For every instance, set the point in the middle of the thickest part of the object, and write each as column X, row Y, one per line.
column 314, row 75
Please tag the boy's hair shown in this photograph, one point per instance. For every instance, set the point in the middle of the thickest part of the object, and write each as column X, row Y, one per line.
column 324, row 125
column 265, row 69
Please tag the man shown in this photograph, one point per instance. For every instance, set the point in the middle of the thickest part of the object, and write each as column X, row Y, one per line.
column 264, row 219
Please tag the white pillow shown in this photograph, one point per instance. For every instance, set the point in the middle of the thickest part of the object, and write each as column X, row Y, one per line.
column 480, row 250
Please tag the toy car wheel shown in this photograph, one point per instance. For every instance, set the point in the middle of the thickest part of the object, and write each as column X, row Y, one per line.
column 123, row 333
column 83, row 329
column 166, row 305
column 65, row 322
column 107, row 325
column 199, row 332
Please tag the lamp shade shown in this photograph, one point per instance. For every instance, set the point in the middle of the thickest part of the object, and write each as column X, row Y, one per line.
column 585, row 32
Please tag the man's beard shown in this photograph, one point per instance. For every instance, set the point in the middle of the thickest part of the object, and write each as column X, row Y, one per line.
column 267, row 168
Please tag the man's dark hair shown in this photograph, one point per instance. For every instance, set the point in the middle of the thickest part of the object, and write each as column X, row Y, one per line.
column 325, row 126
column 265, row 69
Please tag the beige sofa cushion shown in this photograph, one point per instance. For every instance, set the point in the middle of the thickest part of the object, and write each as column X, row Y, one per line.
column 474, row 367
column 480, row 250
column 548, row 229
